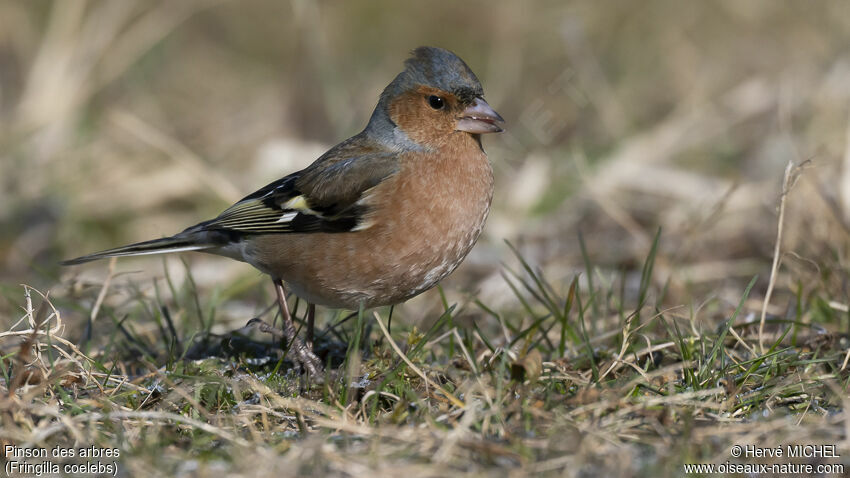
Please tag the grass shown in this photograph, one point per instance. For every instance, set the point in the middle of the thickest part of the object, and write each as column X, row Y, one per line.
column 531, row 390
column 663, row 274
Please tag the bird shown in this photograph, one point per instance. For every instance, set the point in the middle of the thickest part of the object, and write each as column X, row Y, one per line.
column 376, row 220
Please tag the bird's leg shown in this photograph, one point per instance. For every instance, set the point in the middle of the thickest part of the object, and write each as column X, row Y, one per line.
column 311, row 320
column 303, row 354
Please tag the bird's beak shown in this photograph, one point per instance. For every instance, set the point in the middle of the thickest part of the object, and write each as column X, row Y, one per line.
column 480, row 118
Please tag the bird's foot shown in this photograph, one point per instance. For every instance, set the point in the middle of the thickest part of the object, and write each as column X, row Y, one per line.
column 302, row 355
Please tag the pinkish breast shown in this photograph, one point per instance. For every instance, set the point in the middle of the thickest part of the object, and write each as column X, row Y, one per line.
column 423, row 221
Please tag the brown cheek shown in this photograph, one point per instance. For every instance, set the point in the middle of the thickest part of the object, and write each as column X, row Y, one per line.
column 419, row 122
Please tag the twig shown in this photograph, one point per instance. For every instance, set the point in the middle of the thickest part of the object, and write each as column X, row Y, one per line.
column 42, row 434
column 787, row 183
column 457, row 402
column 102, row 294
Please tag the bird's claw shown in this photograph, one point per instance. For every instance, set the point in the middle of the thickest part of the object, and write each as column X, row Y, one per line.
column 303, row 355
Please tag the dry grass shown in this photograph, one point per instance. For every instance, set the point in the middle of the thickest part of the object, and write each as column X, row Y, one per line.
column 609, row 352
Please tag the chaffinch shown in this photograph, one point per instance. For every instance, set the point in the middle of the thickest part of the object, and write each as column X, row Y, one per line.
column 379, row 218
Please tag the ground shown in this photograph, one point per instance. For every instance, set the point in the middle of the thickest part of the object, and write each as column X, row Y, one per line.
column 663, row 281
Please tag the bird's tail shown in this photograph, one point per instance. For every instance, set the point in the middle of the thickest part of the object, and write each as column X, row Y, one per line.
column 178, row 243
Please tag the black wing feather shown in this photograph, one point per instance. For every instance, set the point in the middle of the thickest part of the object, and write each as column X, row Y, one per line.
column 324, row 197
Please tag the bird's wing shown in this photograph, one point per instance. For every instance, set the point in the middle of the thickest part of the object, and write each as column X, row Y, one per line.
column 324, row 197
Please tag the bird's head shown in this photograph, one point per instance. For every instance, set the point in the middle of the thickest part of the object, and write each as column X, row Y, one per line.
column 436, row 96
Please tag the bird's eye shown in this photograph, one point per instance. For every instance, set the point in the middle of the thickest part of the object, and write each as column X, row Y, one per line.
column 436, row 102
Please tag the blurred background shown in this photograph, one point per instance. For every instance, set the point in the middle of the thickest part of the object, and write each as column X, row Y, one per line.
column 122, row 121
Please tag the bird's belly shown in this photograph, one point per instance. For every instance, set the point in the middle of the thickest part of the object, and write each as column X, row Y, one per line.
column 417, row 235
column 375, row 269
